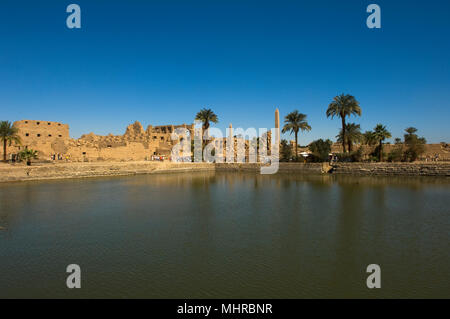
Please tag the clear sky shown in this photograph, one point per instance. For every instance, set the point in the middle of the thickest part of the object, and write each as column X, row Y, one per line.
column 159, row 62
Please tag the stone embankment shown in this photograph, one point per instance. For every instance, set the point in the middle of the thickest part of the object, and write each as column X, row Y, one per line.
column 397, row 169
column 84, row 170
column 316, row 168
column 96, row 169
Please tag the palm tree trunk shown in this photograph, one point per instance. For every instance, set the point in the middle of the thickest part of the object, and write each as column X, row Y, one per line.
column 296, row 146
column 4, row 150
column 205, row 130
column 381, row 151
column 349, row 145
column 343, row 133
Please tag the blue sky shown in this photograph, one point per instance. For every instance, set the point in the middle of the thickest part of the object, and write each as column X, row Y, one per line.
column 159, row 62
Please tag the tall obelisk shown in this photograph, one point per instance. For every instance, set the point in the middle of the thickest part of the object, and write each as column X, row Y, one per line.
column 277, row 134
column 230, row 146
column 277, row 119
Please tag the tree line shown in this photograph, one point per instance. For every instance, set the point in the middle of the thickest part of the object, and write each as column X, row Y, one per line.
column 343, row 106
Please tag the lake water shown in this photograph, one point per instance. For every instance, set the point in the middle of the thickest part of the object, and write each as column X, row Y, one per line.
column 226, row 235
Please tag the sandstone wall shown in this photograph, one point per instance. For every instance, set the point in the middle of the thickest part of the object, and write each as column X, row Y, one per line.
column 44, row 136
column 130, row 151
column 41, row 131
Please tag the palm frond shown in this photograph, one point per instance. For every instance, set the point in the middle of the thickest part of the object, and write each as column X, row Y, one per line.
column 295, row 121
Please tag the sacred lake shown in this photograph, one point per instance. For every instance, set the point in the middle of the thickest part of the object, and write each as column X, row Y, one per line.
column 226, row 235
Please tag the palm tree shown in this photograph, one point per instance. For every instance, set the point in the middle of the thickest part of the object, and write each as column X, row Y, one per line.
column 369, row 138
column 353, row 135
column 206, row 116
column 28, row 155
column 343, row 105
column 8, row 134
column 294, row 122
column 411, row 130
column 381, row 133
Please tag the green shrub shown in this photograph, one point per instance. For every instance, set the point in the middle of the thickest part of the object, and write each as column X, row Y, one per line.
column 320, row 150
column 285, row 151
column 415, row 145
column 396, row 155
column 355, row 156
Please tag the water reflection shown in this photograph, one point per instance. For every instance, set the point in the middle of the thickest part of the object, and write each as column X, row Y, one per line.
column 229, row 235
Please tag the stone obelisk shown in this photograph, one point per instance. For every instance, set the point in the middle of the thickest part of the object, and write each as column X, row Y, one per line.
column 277, row 119
column 277, row 134
column 230, row 146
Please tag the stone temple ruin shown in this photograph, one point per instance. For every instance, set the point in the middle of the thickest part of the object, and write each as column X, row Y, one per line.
column 52, row 141
column 52, row 138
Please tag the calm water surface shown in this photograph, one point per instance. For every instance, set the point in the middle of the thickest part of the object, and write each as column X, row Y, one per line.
column 213, row 235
